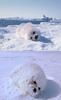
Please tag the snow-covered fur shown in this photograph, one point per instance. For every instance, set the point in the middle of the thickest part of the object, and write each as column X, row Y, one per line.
column 28, row 31
column 29, row 79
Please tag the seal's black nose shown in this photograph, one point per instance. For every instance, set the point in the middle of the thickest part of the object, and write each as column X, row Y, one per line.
column 36, row 36
column 33, row 32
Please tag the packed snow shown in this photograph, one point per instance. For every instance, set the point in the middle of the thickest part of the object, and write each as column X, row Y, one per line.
column 9, row 61
column 50, row 38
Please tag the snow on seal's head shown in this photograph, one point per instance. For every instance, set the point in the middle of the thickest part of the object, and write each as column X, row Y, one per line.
column 28, row 31
column 30, row 79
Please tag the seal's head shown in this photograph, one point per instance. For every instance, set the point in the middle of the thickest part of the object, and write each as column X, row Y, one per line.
column 29, row 32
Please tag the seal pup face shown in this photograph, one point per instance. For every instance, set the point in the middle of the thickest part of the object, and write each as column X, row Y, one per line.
column 36, row 85
column 34, row 35
column 33, row 87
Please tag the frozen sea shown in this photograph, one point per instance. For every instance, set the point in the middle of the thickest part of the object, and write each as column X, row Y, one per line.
column 50, row 63
column 50, row 38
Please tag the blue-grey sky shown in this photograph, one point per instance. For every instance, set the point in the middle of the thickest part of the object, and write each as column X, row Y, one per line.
column 30, row 8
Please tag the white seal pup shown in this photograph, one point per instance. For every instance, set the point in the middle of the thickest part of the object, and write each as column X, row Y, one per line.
column 28, row 31
column 29, row 79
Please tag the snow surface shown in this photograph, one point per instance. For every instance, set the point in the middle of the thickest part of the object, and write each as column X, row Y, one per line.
column 50, row 38
column 50, row 62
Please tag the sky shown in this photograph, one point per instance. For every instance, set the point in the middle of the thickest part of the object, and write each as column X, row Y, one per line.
column 30, row 8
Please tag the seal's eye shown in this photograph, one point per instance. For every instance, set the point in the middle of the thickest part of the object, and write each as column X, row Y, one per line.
column 34, row 82
column 39, row 88
column 33, row 32
column 36, row 36
column 34, row 90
